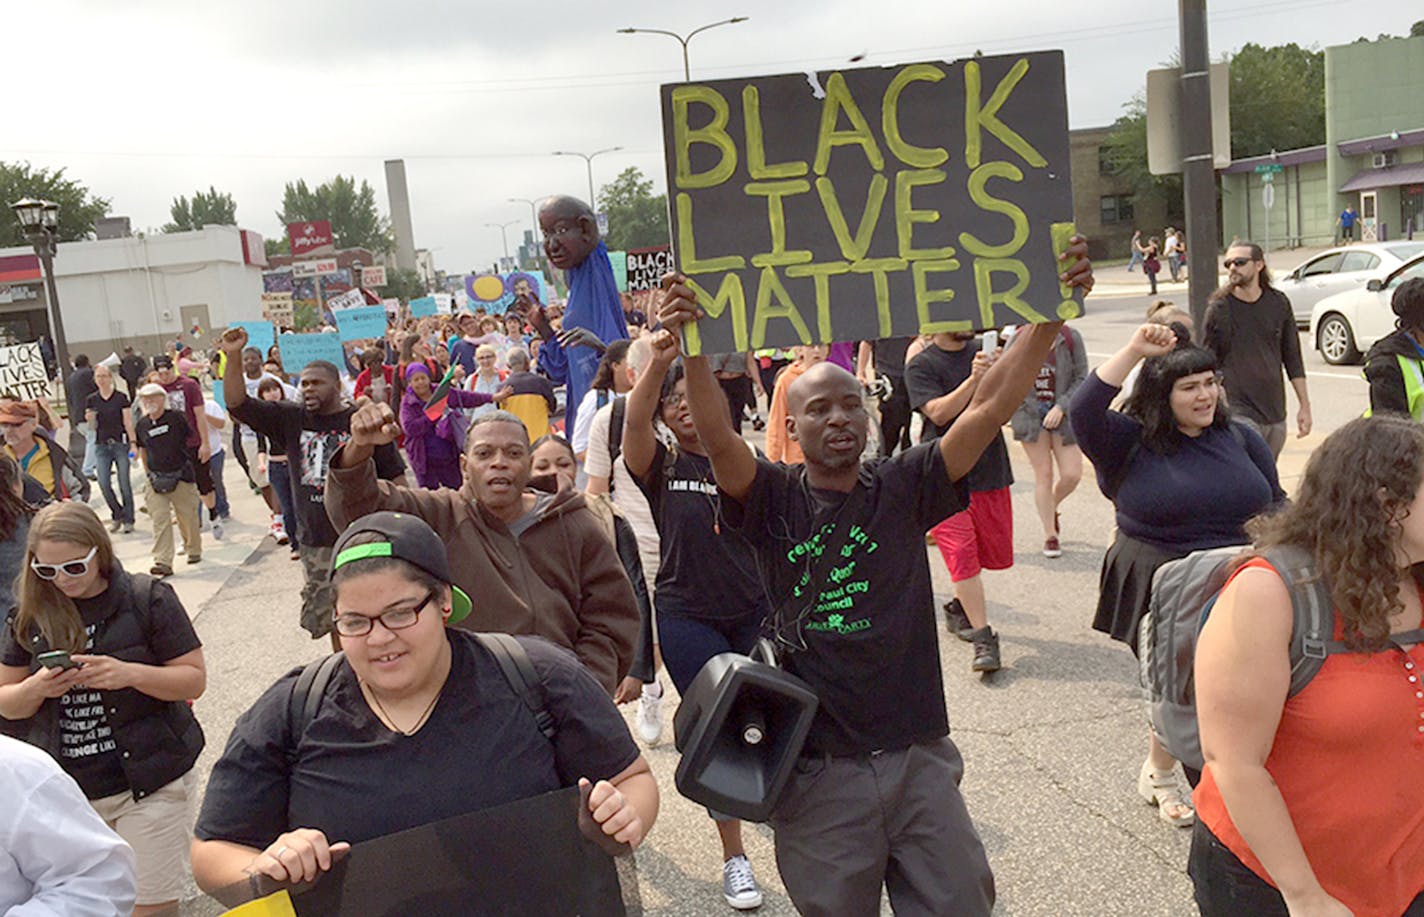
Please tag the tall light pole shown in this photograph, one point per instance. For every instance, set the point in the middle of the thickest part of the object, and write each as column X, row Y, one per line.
column 684, row 39
column 40, row 222
column 534, row 222
column 588, row 160
column 504, row 235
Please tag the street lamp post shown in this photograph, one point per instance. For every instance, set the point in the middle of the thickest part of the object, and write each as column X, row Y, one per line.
column 534, row 222
column 684, row 39
column 40, row 222
column 504, row 235
column 588, row 160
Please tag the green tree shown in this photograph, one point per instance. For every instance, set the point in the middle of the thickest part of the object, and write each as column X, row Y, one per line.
column 636, row 217
column 1277, row 99
column 355, row 220
column 207, row 208
column 79, row 210
column 1417, row 29
column 403, row 284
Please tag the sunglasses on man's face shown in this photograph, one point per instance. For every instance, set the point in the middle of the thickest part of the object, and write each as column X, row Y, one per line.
column 1230, row 263
column 70, row 568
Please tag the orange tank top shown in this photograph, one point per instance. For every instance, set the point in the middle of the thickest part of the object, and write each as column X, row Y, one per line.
column 1349, row 760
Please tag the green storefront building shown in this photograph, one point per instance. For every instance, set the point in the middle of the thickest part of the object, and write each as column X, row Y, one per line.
column 1372, row 160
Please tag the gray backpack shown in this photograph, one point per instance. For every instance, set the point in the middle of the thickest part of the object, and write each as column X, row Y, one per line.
column 1183, row 593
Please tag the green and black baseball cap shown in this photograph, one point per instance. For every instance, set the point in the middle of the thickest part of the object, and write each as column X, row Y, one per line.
column 405, row 537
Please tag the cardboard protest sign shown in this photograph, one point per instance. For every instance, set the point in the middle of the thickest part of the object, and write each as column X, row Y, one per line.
column 22, row 371
column 422, row 306
column 524, row 857
column 444, row 303
column 300, row 349
column 361, row 323
column 646, row 266
column 871, row 203
column 259, row 335
column 277, row 308
column 350, row 299
column 619, row 263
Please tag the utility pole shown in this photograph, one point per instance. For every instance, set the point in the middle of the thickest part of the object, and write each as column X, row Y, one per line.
column 1198, row 171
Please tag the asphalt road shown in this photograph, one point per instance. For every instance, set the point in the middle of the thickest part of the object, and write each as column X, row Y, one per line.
column 1052, row 742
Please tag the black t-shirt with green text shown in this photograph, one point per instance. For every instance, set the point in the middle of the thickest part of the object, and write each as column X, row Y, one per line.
column 862, row 626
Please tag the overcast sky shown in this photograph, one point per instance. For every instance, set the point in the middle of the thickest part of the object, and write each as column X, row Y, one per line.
column 148, row 99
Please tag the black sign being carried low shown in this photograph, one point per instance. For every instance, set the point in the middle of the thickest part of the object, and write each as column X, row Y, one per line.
column 871, row 203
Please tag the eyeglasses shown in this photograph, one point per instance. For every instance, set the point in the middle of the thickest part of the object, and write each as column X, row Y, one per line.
column 558, row 233
column 354, row 625
column 69, row 568
column 675, row 400
column 1230, row 263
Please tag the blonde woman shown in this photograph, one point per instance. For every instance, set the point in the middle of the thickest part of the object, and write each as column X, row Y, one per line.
column 96, row 668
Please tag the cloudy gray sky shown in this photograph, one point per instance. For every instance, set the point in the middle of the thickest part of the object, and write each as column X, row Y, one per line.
column 149, row 99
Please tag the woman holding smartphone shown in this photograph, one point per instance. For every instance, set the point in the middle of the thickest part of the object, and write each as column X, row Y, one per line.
column 96, row 668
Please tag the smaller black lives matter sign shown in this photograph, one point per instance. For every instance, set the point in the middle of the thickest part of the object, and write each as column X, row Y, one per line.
column 646, row 266
column 871, row 203
column 22, row 371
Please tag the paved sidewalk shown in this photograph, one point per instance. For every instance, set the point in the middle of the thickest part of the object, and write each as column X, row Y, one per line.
column 1117, row 280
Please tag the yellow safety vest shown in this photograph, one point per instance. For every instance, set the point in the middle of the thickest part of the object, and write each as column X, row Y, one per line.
column 1412, row 370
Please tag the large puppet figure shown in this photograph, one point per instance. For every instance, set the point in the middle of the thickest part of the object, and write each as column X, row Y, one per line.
column 594, row 315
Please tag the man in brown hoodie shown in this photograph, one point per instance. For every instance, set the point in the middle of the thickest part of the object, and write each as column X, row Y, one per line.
column 535, row 561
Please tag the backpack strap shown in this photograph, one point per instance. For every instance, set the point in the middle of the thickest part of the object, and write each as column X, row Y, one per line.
column 1313, row 628
column 615, row 433
column 307, row 695
column 519, row 671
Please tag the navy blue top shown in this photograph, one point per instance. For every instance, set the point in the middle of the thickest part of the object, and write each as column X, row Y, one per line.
column 1195, row 498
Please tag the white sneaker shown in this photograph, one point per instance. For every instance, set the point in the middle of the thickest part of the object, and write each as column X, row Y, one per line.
column 650, row 712
column 739, row 886
column 217, row 529
column 279, row 529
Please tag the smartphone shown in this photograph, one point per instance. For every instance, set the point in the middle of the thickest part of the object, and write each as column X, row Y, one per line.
column 991, row 341
column 56, row 659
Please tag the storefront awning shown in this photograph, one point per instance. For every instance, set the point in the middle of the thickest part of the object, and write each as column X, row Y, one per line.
column 1409, row 173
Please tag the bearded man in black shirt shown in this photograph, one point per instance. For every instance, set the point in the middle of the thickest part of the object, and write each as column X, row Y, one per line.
column 875, row 797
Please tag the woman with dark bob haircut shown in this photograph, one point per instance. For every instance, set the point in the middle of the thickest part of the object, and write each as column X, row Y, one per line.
column 1312, row 803
column 1182, row 476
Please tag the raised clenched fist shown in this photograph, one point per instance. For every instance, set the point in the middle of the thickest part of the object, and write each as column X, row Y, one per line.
column 373, row 424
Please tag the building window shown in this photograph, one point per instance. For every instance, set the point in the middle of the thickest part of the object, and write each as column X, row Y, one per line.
column 1116, row 208
column 1106, row 160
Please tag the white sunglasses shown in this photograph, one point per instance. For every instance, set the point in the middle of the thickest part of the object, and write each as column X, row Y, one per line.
column 69, row 568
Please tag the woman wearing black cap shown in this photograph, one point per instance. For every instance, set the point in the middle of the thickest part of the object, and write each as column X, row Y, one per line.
column 411, row 703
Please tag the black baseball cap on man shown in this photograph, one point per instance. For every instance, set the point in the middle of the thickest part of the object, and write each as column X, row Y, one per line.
column 162, row 361
column 406, row 538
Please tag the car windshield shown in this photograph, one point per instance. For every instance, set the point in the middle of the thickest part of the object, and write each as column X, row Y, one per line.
column 1405, row 250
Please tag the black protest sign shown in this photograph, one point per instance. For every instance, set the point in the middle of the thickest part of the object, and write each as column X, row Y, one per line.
column 871, row 203
column 524, row 857
column 646, row 266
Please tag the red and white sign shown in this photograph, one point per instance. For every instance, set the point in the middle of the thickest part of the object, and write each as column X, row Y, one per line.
column 373, row 275
column 253, row 251
column 315, row 267
column 309, row 237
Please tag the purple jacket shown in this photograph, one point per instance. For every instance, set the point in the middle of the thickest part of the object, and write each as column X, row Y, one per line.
column 430, row 445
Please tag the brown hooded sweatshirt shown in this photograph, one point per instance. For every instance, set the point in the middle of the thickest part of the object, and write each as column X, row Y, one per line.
column 561, row 579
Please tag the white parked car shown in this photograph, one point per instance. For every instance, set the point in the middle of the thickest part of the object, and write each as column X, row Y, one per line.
column 1341, row 269
column 1345, row 326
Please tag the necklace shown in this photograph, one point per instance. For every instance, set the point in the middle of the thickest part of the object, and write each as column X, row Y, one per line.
column 390, row 720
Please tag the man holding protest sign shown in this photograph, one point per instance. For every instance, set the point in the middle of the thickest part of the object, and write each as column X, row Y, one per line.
column 874, row 801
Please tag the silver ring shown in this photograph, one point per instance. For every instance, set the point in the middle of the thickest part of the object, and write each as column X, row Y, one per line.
column 277, row 855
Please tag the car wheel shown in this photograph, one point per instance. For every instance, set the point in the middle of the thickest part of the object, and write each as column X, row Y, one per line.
column 1336, row 341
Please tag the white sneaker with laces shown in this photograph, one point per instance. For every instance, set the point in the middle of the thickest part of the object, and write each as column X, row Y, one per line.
column 650, row 712
column 279, row 529
column 739, row 886
column 217, row 529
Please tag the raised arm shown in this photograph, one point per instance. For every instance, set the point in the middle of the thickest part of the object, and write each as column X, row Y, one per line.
column 640, row 442
column 998, row 395
column 232, row 342
column 733, row 464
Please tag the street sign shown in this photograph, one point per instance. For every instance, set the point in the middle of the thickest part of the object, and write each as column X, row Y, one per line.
column 1164, row 142
column 1268, row 168
column 314, row 267
column 602, row 219
column 1268, row 195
